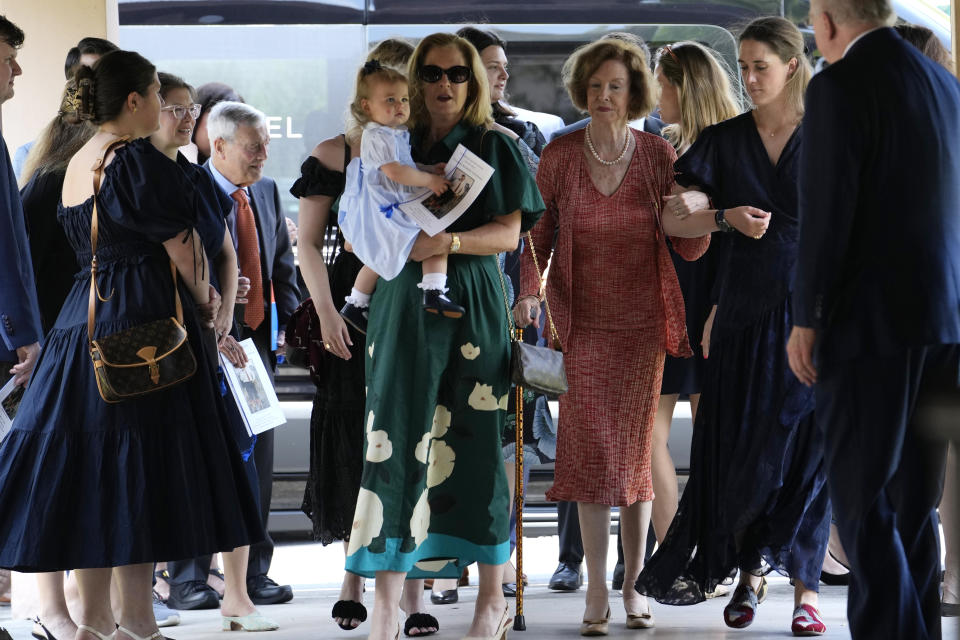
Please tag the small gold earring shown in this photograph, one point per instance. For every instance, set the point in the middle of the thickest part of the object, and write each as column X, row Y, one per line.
column 134, row 109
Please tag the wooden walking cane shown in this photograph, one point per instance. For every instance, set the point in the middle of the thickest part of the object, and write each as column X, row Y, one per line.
column 519, row 624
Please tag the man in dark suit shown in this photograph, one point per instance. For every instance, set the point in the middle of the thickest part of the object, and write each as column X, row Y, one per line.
column 877, row 293
column 19, row 313
column 239, row 142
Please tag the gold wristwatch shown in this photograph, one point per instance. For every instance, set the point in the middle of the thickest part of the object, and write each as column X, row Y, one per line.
column 455, row 243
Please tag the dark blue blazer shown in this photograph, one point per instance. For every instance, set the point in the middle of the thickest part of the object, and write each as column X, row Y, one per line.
column 879, row 264
column 19, row 313
column 650, row 125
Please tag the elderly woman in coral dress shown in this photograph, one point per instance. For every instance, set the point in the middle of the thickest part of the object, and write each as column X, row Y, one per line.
column 616, row 302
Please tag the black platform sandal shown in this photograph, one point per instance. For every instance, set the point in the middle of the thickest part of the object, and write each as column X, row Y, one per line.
column 349, row 610
column 420, row 621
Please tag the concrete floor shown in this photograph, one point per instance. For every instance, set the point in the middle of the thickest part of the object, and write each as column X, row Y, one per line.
column 315, row 573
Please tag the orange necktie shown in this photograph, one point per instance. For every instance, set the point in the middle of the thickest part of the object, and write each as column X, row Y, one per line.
column 248, row 255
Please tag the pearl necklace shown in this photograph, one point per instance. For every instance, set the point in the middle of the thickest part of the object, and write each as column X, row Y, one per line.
column 623, row 152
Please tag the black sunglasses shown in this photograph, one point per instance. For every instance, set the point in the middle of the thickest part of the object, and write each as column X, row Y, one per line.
column 432, row 73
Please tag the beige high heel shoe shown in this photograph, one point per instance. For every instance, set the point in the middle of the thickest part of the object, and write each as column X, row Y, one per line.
column 502, row 628
column 101, row 636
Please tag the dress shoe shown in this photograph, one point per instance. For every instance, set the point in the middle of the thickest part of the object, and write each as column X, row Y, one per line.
column 356, row 316
column 263, row 590
column 567, row 577
column 434, row 301
column 449, row 596
column 618, row 573
column 194, row 594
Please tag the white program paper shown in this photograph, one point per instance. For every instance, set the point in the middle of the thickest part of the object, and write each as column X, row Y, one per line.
column 253, row 391
column 468, row 175
column 10, row 396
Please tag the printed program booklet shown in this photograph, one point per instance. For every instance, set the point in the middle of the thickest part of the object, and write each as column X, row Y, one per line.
column 10, row 396
column 468, row 174
column 253, row 391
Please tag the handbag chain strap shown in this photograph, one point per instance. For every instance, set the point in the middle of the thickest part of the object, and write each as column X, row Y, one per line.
column 94, row 232
column 546, row 303
column 506, row 303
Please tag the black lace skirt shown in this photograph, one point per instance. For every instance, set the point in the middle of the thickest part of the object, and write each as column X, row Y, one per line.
column 336, row 426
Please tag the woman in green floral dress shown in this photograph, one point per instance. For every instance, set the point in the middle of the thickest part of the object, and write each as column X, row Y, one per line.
column 433, row 496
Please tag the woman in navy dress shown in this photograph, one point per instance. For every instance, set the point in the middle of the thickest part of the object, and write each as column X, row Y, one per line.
column 695, row 93
column 756, row 499
column 73, row 463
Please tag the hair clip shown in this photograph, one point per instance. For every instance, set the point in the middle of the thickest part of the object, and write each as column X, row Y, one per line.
column 372, row 66
column 667, row 48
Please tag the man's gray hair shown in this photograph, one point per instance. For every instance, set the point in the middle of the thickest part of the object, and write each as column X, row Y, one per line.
column 879, row 12
column 225, row 117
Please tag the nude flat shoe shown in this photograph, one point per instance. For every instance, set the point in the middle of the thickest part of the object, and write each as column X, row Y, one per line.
column 641, row 620
column 596, row 627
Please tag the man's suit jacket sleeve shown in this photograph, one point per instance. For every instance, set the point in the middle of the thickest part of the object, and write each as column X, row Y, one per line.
column 19, row 312
column 830, row 166
column 284, row 271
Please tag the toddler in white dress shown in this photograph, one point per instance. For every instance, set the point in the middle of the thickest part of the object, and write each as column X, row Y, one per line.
column 385, row 175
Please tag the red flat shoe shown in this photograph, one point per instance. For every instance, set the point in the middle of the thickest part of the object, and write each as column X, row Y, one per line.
column 807, row 622
column 742, row 609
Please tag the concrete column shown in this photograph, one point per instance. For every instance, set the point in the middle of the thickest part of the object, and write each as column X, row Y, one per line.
column 955, row 34
column 51, row 27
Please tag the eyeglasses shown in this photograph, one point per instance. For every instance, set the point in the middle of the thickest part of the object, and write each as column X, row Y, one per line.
column 179, row 110
column 432, row 73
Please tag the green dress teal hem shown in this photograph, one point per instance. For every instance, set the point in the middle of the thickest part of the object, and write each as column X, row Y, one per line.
column 434, row 494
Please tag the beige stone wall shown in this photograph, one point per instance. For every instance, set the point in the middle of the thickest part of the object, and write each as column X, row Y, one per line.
column 51, row 27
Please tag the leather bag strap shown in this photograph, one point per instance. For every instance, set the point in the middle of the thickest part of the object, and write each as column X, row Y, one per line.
column 98, row 168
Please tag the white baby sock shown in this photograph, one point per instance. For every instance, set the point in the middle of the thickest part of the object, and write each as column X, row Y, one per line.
column 358, row 298
column 434, row 281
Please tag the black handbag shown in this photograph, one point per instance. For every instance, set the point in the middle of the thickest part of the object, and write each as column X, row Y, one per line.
column 147, row 357
column 539, row 369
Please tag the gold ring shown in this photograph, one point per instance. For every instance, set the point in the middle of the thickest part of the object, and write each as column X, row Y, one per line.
column 758, row 236
column 326, row 345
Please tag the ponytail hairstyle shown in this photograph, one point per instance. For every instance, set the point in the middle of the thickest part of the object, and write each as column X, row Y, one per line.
column 371, row 73
column 786, row 41
column 102, row 90
column 703, row 90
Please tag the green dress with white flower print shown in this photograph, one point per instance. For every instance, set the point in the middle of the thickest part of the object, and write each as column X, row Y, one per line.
column 433, row 497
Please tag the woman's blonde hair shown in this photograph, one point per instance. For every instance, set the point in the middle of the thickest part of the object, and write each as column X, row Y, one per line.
column 370, row 74
column 584, row 62
column 477, row 110
column 786, row 42
column 703, row 87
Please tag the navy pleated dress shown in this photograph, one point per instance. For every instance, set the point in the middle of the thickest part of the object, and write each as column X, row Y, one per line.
column 756, row 498
column 86, row 484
